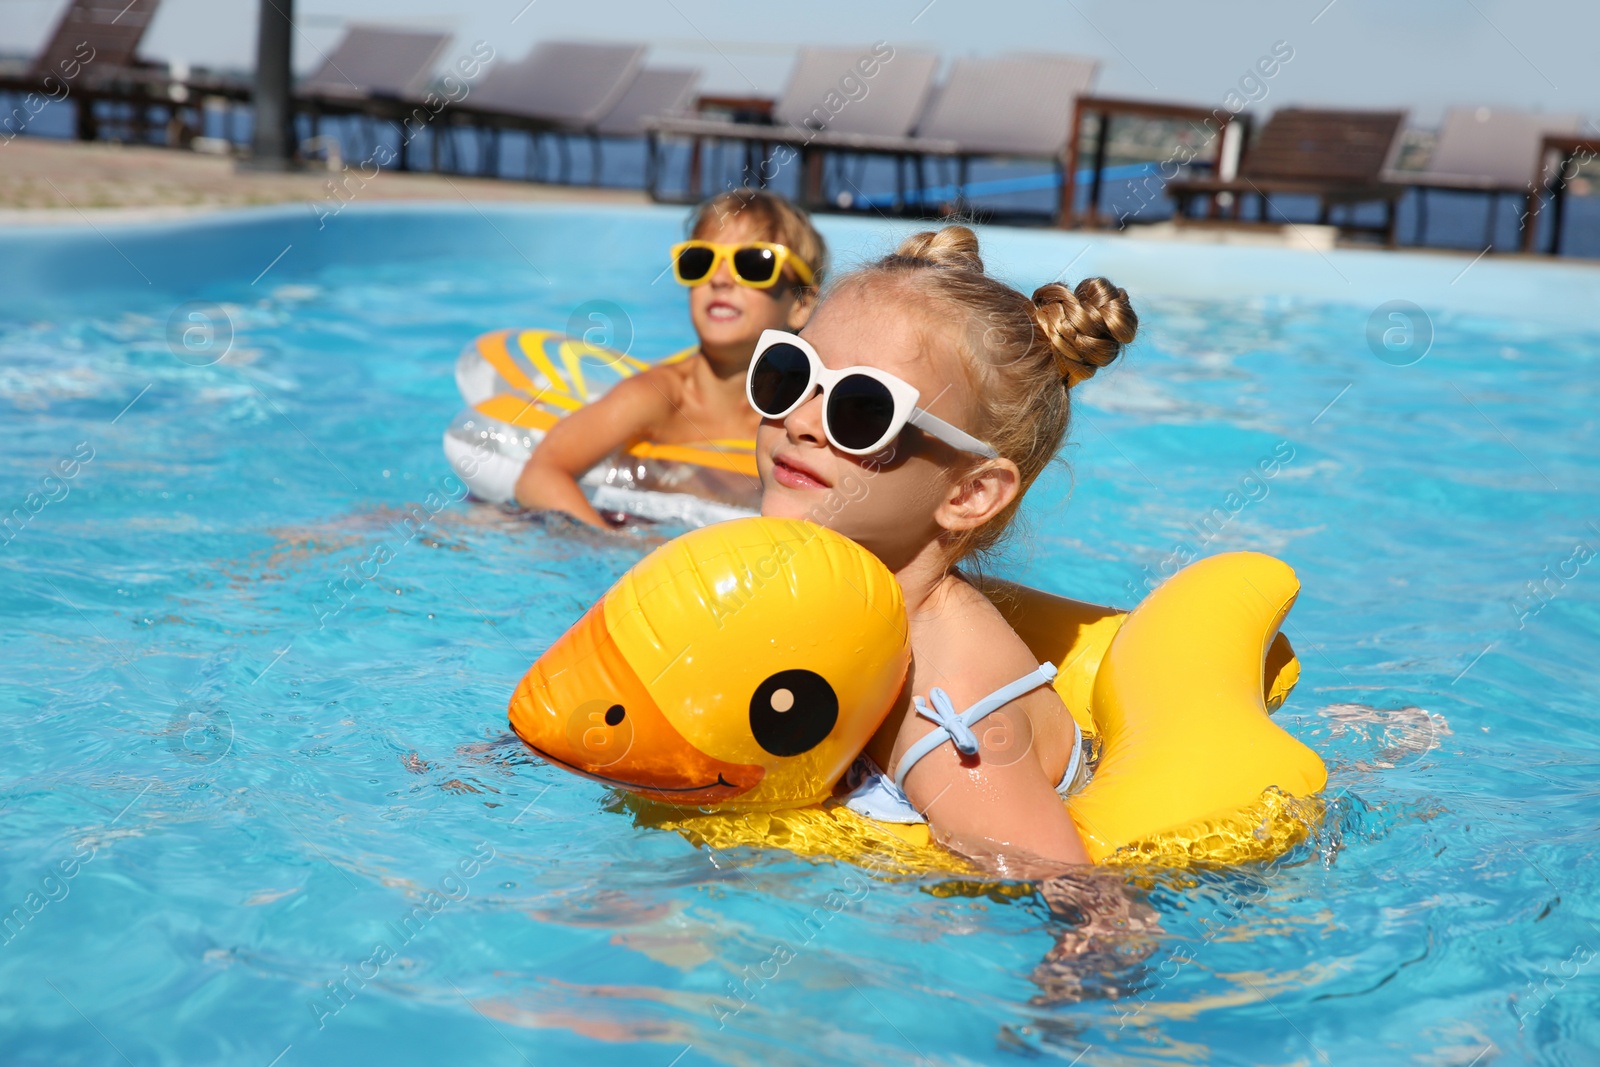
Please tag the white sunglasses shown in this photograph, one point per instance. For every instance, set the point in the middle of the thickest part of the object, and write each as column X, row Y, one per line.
column 863, row 408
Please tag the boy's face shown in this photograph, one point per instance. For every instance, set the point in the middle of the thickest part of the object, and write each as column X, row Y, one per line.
column 728, row 315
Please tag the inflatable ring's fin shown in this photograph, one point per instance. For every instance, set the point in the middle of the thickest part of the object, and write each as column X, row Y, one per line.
column 1074, row 635
column 1282, row 671
column 1191, row 758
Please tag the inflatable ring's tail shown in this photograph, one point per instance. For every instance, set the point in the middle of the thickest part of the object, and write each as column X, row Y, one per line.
column 1193, row 769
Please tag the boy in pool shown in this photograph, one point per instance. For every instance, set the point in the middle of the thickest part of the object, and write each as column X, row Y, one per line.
column 753, row 262
column 933, row 395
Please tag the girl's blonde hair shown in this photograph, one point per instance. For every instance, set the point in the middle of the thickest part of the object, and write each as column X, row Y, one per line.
column 1022, row 356
column 772, row 217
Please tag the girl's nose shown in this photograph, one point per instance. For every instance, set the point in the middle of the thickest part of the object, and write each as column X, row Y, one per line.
column 722, row 278
column 804, row 423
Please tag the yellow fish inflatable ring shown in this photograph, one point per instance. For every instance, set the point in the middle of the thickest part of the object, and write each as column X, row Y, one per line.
column 1176, row 695
column 744, row 665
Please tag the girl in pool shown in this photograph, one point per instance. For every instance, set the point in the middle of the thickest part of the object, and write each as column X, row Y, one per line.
column 923, row 400
column 753, row 262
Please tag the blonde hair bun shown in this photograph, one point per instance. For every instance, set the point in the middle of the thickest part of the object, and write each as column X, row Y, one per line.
column 1086, row 327
column 1021, row 357
column 953, row 246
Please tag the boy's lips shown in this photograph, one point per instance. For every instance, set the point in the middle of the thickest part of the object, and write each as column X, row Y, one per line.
column 793, row 474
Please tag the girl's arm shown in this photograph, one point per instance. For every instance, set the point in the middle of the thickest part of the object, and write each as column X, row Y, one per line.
column 549, row 480
column 997, row 808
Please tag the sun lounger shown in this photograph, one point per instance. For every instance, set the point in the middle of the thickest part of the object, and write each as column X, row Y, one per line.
column 658, row 92
column 377, row 61
column 1009, row 107
column 1338, row 157
column 1017, row 107
column 820, row 97
column 375, row 72
column 566, row 85
column 94, row 42
column 561, row 87
column 109, row 31
column 1486, row 151
column 854, row 99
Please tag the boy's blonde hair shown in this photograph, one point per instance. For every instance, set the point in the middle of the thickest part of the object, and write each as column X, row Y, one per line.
column 772, row 217
column 1022, row 356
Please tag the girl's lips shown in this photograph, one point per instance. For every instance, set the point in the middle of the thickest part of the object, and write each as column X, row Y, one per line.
column 721, row 309
column 793, row 475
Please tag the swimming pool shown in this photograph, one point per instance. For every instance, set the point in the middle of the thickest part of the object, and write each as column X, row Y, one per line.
column 246, row 748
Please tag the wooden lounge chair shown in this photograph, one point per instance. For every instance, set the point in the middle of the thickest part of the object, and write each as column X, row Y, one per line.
column 1338, row 157
column 1568, row 153
column 820, row 110
column 1486, row 151
column 561, row 87
column 110, row 29
column 95, row 42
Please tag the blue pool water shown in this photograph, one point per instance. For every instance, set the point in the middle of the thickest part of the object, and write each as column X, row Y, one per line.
column 226, row 783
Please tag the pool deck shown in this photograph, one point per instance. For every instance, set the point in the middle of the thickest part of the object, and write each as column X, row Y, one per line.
column 48, row 181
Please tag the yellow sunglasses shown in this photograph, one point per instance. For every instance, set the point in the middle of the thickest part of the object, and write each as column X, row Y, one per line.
column 757, row 264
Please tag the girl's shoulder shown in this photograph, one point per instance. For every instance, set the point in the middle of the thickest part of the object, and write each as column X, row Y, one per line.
column 971, row 645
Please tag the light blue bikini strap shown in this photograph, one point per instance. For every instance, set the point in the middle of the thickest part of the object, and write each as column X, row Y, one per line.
column 958, row 728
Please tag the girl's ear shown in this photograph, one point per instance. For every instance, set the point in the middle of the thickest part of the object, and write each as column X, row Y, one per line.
column 979, row 496
column 805, row 302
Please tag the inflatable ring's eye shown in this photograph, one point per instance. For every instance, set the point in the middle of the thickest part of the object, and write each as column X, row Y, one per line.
column 792, row 712
column 599, row 732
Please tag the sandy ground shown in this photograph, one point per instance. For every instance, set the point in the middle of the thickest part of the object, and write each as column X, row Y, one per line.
column 44, row 180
